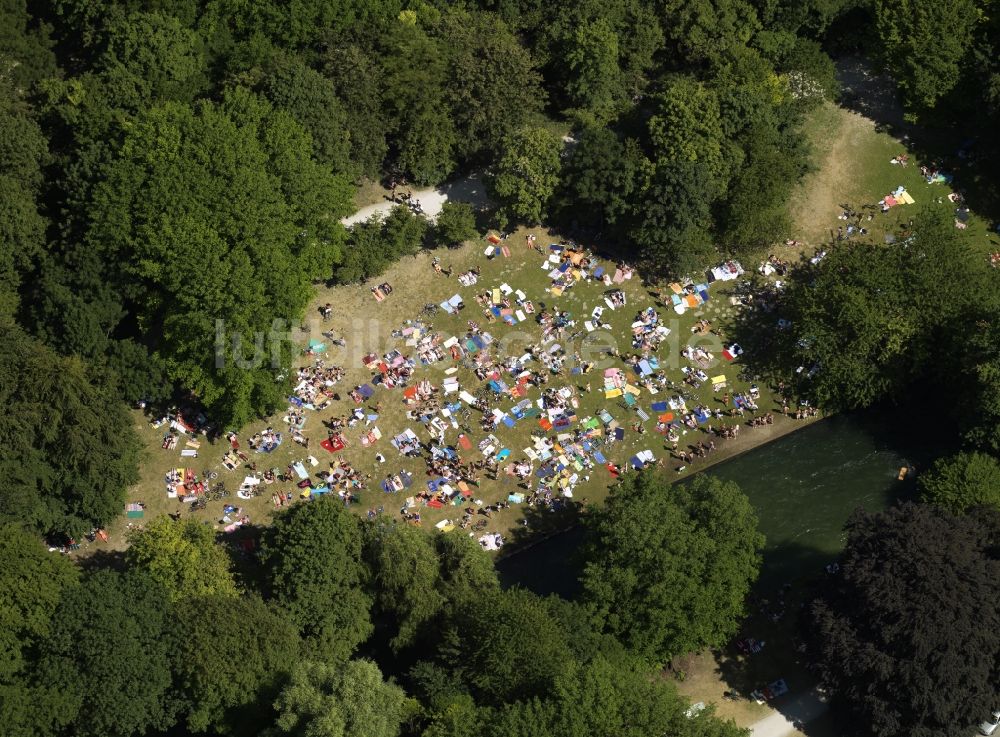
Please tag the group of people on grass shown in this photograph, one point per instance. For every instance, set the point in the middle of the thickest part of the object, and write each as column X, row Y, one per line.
column 510, row 385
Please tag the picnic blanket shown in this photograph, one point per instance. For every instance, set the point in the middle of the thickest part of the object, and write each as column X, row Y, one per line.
column 727, row 271
column 334, row 444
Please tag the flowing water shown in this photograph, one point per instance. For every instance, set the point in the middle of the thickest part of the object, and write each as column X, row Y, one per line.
column 804, row 486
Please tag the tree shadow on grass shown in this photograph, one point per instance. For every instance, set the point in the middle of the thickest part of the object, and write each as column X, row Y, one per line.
column 776, row 619
column 959, row 147
column 243, row 547
column 546, row 555
column 102, row 560
column 759, row 327
column 540, row 523
column 868, row 92
column 550, row 565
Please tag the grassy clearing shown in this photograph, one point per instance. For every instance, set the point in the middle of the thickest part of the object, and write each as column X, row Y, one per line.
column 852, row 168
column 367, row 325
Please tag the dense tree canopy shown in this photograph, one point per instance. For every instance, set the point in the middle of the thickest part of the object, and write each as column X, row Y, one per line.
column 671, row 566
column 345, row 700
column 315, row 574
column 32, row 582
column 182, row 557
column 312, row 100
column 907, row 28
column 375, row 244
column 69, row 448
column 425, row 135
column 23, row 151
column 962, row 481
column 216, row 212
column 149, row 57
column 107, row 656
column 867, row 315
column 527, row 173
column 515, row 649
column 593, row 57
column 455, row 223
column 909, row 630
column 229, row 656
column 404, row 577
column 493, row 86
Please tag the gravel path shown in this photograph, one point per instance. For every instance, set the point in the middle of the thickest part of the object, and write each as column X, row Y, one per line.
column 803, row 709
column 469, row 189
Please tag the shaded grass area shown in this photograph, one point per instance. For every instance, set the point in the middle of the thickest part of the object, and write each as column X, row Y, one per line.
column 852, row 158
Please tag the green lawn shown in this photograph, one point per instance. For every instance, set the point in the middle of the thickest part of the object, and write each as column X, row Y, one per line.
column 367, row 327
column 852, row 167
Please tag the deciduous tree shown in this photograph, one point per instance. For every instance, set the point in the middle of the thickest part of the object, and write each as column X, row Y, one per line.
column 404, row 578
column 358, row 79
column 23, row 151
column 253, row 225
column 69, row 447
column 375, row 244
column 346, row 700
column 183, row 557
column 228, row 654
column 107, row 653
column 968, row 479
column 925, row 42
column 527, row 173
column 602, row 178
column 908, row 631
column 669, row 566
column 312, row 555
column 701, row 28
column 415, row 80
column 687, row 127
column 511, row 646
column 150, row 57
column 595, row 84
column 32, row 582
column 312, row 100
column 866, row 316
column 493, row 87
column 455, row 223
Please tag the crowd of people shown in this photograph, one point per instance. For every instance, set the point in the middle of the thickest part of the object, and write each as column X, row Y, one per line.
column 545, row 384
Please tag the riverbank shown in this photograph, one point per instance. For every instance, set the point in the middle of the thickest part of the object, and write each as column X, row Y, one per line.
column 804, row 486
column 750, row 439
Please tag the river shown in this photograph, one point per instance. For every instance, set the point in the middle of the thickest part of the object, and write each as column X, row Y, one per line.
column 804, row 486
